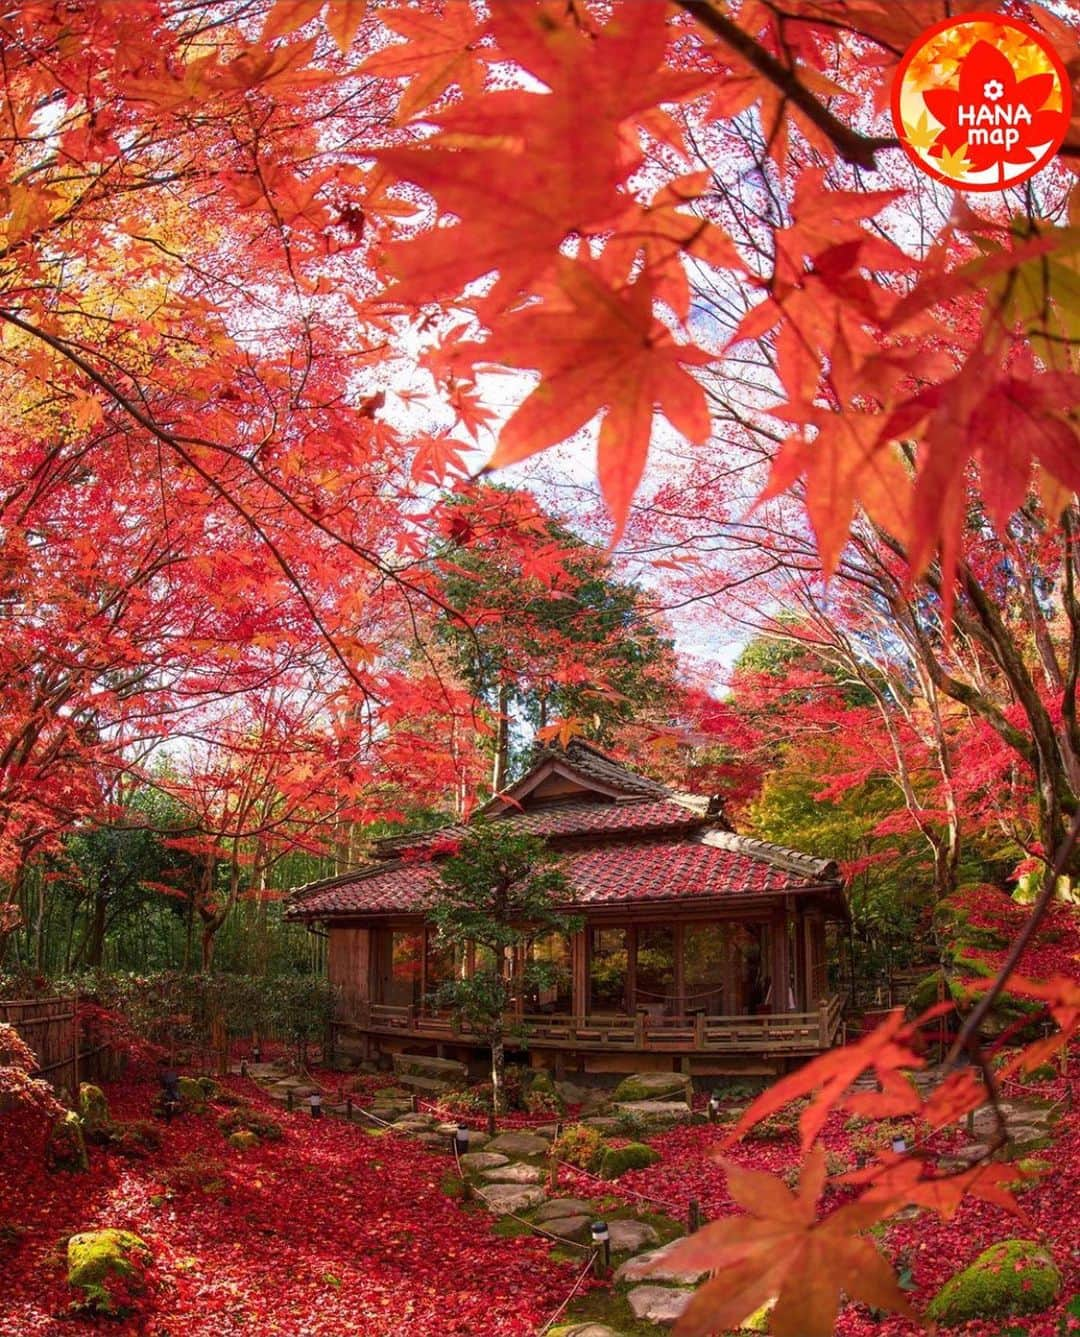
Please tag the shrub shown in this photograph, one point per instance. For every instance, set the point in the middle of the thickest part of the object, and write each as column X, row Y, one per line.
column 542, row 1097
column 579, row 1145
column 634, row 1156
column 136, row 1140
column 66, row 1148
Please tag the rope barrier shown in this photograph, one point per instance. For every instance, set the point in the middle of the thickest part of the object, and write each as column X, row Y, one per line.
column 609, row 1185
column 576, row 1287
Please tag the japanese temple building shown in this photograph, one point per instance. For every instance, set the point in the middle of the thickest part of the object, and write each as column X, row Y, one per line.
column 701, row 950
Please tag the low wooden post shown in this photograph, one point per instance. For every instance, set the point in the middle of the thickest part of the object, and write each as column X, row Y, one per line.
column 639, row 1030
column 699, row 1030
column 348, row 1109
column 553, row 1172
column 823, row 1023
column 693, row 1217
column 289, row 1099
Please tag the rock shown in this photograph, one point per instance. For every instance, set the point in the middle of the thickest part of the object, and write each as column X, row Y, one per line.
column 573, row 1094
column 658, row 1304
column 94, row 1113
column 574, row 1228
column 434, row 1141
column 1013, row 1277
column 482, row 1160
column 102, row 1263
column 516, row 1198
column 656, row 1267
column 447, row 1129
column 420, row 1072
column 515, row 1173
column 476, row 1138
column 650, row 1086
column 634, row 1156
column 587, row 1330
column 562, row 1207
column 243, row 1139
column 521, row 1145
column 418, row 1123
column 603, row 1124
column 657, row 1113
column 192, row 1095
column 542, row 1096
column 65, row 1148
column 211, row 1088
column 631, row 1236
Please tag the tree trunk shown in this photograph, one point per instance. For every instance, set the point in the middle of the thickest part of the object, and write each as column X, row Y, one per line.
column 498, row 1074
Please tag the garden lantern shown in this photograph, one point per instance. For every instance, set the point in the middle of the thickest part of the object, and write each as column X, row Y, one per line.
column 601, row 1238
column 899, row 1145
column 714, row 1108
column 315, row 1101
column 256, row 1053
column 461, row 1139
column 170, row 1094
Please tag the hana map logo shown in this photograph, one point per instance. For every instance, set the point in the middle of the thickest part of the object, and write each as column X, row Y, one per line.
column 981, row 102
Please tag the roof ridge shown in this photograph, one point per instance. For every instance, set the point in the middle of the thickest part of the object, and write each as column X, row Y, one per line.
column 793, row 861
column 306, row 889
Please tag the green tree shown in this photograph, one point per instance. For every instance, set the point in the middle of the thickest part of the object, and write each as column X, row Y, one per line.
column 497, row 894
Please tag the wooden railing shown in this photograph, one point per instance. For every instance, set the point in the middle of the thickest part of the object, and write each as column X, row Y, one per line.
column 784, row 1032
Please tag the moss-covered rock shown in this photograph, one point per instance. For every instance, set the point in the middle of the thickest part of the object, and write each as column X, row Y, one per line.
column 66, row 1147
column 926, row 993
column 192, row 1094
column 243, row 1139
column 109, row 1267
column 654, row 1086
column 245, row 1118
column 1013, row 1277
column 542, row 1097
column 211, row 1088
column 94, row 1113
column 634, row 1156
column 136, row 1139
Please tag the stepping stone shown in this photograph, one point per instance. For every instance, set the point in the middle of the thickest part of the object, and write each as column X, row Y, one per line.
column 602, row 1123
column 422, row 1085
column 519, row 1145
column 417, row 1123
column 658, row 1304
column 574, row 1228
column 513, row 1174
column 447, row 1129
column 477, row 1139
column 433, row 1141
column 631, row 1236
column 517, row 1198
column 657, row 1113
column 483, row 1160
column 563, row 1207
column 591, row 1330
column 655, row 1267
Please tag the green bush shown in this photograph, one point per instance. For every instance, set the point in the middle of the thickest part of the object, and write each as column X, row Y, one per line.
column 634, row 1156
column 109, row 1268
column 541, row 1096
column 1013, row 1277
column 579, row 1145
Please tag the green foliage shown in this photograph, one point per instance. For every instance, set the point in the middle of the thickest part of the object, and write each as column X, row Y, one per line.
column 1012, row 1277
column 542, row 1097
column 634, row 1156
column 579, row 1145
column 66, row 1147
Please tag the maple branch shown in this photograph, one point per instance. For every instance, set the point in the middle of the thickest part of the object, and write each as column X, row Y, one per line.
column 969, row 1031
column 853, row 147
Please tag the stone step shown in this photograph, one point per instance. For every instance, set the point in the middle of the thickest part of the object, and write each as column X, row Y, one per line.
column 446, row 1070
column 431, row 1086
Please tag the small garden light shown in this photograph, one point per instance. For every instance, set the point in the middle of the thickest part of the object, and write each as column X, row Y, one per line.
column 461, row 1139
column 315, row 1100
column 601, row 1238
column 899, row 1145
column 714, row 1108
column 256, row 1054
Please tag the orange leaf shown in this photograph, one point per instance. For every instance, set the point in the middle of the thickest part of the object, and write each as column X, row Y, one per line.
column 438, row 51
column 342, row 19
column 783, row 1249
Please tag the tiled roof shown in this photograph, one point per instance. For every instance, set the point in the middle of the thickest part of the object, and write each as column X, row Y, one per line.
column 685, row 868
column 566, row 818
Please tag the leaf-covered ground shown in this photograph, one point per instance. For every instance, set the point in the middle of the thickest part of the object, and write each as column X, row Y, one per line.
column 330, row 1231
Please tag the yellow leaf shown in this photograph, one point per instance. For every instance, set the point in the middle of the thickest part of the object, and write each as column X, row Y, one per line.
column 955, row 164
column 922, row 134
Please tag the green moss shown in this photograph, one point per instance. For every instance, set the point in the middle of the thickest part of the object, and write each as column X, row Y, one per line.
column 542, row 1097
column 247, row 1118
column 94, row 1112
column 191, row 1093
column 1013, row 1277
column 925, row 993
column 579, row 1145
column 109, row 1267
column 66, row 1149
column 211, row 1089
column 660, row 1086
column 617, row 1160
column 452, row 1185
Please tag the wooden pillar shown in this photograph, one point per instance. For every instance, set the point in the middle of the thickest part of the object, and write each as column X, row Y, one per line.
column 780, row 963
column 579, row 968
column 630, row 993
column 679, row 943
